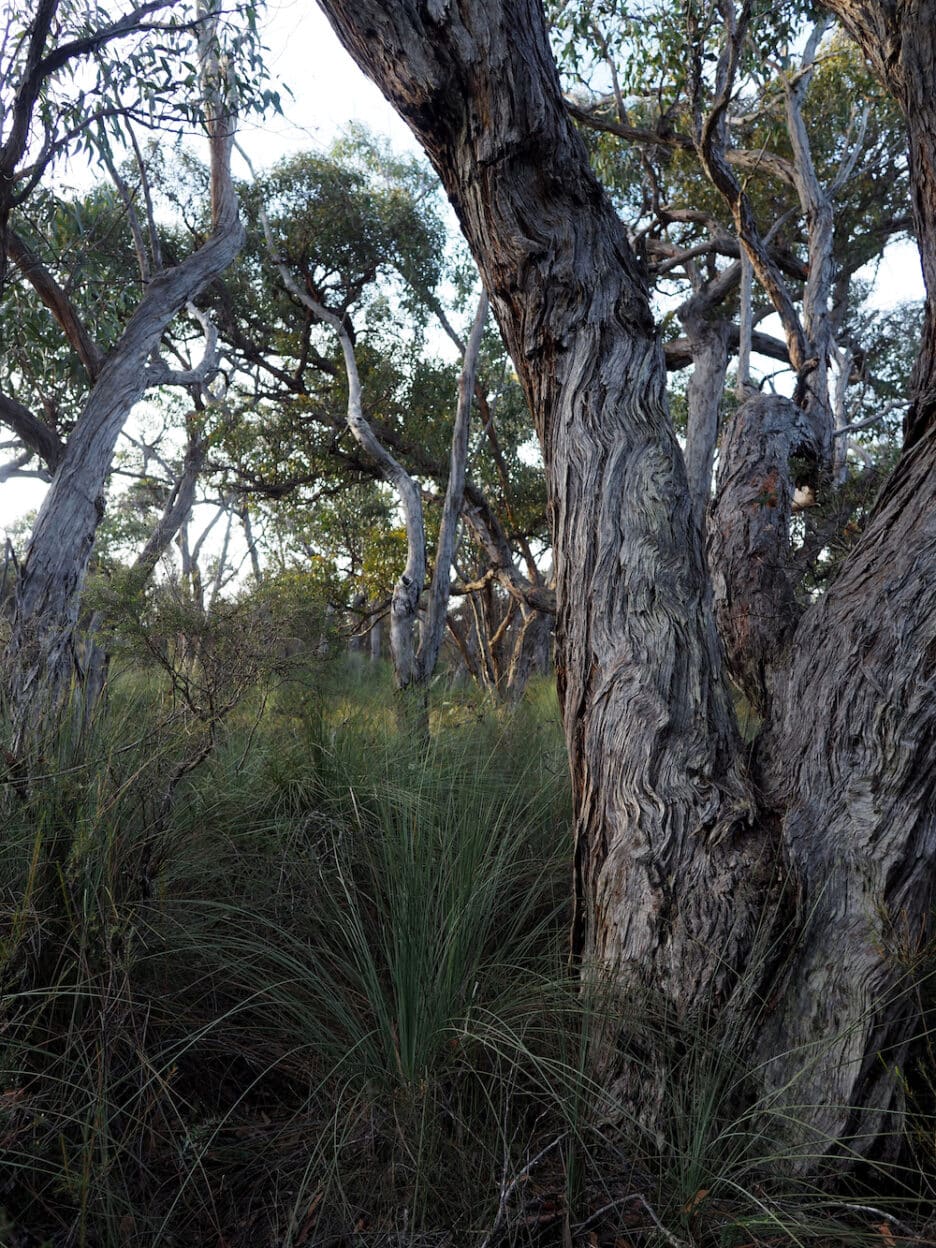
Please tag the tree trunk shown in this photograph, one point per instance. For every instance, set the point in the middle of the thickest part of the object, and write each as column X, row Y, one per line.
column 709, row 343
column 530, row 652
column 899, row 39
column 640, row 674
column 673, row 864
column 41, row 660
column 848, row 762
column 749, row 540
column 376, row 638
column 437, row 606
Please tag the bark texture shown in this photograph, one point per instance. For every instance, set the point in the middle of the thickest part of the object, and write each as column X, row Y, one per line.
column 749, row 540
column 849, row 759
column 662, row 869
column 708, row 338
column 670, row 878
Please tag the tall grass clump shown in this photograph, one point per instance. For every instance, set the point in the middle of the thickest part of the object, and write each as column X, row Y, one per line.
column 321, row 988
column 310, row 986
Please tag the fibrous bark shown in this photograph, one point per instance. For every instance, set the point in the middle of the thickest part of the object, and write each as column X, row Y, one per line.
column 660, row 803
column 749, row 540
column 670, row 879
column 849, row 759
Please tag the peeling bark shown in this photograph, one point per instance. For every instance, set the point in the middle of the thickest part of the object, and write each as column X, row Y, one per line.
column 749, row 540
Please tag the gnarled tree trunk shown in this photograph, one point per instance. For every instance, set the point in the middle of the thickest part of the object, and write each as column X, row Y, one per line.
column 674, row 863
column 664, row 854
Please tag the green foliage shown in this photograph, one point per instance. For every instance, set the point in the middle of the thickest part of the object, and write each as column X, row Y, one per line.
column 325, row 987
column 332, row 970
column 143, row 73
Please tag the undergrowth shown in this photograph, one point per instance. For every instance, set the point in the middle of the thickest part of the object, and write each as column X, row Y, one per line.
column 314, row 990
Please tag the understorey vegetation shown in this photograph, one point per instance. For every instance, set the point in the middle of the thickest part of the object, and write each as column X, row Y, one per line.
column 313, row 987
column 467, row 717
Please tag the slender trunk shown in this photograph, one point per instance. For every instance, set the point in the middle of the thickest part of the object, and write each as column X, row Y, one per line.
column 437, row 606
column 176, row 512
column 709, row 344
column 816, row 203
column 356, row 638
column 376, row 639
column 899, row 40
column 844, row 360
column 530, row 652
column 251, row 541
column 217, row 581
column 745, row 326
column 404, row 603
column 41, row 660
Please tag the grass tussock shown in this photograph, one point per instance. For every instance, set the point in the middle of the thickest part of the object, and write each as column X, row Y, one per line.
column 310, row 987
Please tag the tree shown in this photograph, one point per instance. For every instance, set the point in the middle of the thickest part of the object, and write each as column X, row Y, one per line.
column 799, row 166
column 40, row 657
column 682, row 837
column 345, row 249
column 899, row 41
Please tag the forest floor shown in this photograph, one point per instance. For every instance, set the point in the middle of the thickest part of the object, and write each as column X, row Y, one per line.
column 290, row 978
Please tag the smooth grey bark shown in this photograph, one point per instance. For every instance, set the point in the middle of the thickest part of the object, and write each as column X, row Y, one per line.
column 250, row 539
column 530, row 651
column 356, row 638
column 816, row 203
column 708, row 335
column 412, row 665
column 745, row 325
column 706, row 388
column 376, row 639
column 713, row 147
column 404, row 603
column 176, row 511
column 92, row 659
column 40, row 658
column 438, row 598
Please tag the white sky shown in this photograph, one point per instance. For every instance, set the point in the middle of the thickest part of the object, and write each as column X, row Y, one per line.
column 328, row 92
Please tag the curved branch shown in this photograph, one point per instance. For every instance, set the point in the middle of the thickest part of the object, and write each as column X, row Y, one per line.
column 33, row 432
column 437, row 605
column 57, row 301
